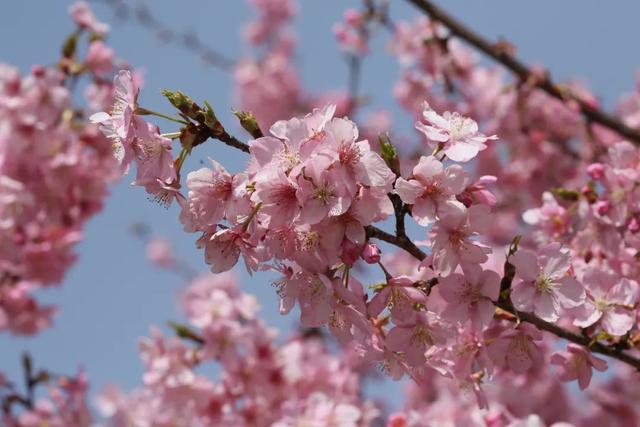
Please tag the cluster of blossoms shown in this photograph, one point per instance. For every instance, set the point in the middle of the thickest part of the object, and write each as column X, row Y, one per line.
column 306, row 196
column 540, row 133
column 261, row 382
column 305, row 206
column 65, row 405
column 54, row 172
column 467, row 317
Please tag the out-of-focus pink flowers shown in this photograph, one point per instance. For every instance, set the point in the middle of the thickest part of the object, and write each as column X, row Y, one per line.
column 453, row 236
column 576, row 364
column 83, row 16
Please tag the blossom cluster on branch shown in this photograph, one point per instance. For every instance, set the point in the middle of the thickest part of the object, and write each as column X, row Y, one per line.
column 512, row 227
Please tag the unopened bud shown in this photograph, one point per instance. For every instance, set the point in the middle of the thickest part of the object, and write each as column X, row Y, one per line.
column 350, row 252
column 183, row 103
column 371, row 253
column 602, row 207
column 595, row 171
column 249, row 123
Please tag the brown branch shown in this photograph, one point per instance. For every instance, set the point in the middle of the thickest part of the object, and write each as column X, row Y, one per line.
column 232, row 141
column 400, row 242
column 523, row 72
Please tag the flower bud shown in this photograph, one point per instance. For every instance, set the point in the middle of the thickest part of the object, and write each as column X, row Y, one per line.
column 350, row 252
column 595, row 171
column 602, row 207
column 371, row 253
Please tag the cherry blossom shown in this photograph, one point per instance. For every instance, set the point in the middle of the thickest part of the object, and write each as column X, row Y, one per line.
column 432, row 186
column 457, row 136
column 610, row 300
column 471, row 296
column 545, row 288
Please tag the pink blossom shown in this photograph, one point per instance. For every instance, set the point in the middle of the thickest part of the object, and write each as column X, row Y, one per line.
column 160, row 252
column 223, row 249
column 516, row 348
column 477, row 193
column 319, row 192
column 120, row 124
column 452, row 236
column 545, row 287
column 576, row 364
column 416, row 335
column 457, row 136
column 399, row 294
column 470, row 296
column 431, row 186
column 610, row 300
column 83, row 16
column 553, row 219
column 278, row 195
column 99, row 58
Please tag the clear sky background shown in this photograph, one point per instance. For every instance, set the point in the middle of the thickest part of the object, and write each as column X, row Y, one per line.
column 112, row 295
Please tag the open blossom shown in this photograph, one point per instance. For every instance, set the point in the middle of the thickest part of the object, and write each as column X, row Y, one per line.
column 457, row 136
column 452, row 236
column 417, row 334
column 223, row 249
column 319, row 192
column 213, row 194
column 610, row 300
column 121, row 123
column 399, row 295
column 516, row 347
column 552, row 219
column 470, row 296
column 576, row 364
column 545, row 287
column 477, row 193
column 431, row 186
column 100, row 58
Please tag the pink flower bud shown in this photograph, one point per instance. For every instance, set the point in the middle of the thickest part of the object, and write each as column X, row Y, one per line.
column 371, row 253
column 37, row 70
column 160, row 252
column 634, row 225
column 602, row 207
column 352, row 17
column 397, row 420
column 350, row 252
column 595, row 171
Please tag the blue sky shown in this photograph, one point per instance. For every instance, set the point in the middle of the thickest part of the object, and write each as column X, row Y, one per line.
column 112, row 296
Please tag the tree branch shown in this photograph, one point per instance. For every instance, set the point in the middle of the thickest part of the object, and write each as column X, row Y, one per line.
column 523, row 72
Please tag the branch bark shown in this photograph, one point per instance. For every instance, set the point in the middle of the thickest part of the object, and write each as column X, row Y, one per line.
column 523, row 72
